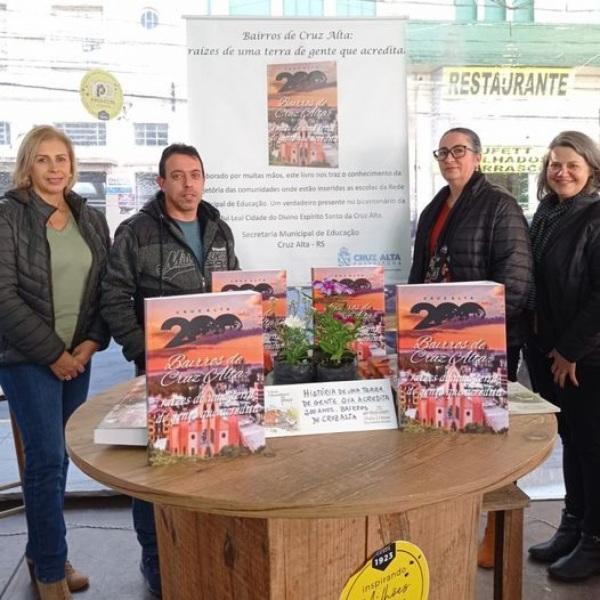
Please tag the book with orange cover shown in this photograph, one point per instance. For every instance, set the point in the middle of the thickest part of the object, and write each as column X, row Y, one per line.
column 302, row 114
column 204, row 375
column 452, row 357
column 361, row 290
column 272, row 285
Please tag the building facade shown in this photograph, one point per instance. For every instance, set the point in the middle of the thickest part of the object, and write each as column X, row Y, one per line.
column 517, row 72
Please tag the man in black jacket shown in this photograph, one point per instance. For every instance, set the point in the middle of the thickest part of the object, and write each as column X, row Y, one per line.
column 170, row 247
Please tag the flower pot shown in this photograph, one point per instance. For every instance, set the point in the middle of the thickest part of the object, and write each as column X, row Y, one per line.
column 284, row 372
column 346, row 370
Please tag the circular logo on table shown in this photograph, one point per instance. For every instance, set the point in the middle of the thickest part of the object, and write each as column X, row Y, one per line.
column 101, row 94
column 399, row 571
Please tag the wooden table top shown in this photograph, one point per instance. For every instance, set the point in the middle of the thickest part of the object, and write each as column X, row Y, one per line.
column 318, row 476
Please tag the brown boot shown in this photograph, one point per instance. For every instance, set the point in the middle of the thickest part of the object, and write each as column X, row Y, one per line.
column 58, row 590
column 75, row 579
column 485, row 555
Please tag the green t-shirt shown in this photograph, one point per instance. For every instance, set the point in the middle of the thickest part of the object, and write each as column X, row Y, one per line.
column 70, row 262
column 193, row 237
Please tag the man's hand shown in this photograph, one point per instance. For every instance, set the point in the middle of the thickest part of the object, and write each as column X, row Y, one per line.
column 84, row 351
column 67, row 367
column 562, row 368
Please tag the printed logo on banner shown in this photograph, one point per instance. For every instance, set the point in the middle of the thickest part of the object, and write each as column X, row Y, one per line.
column 388, row 259
column 344, row 257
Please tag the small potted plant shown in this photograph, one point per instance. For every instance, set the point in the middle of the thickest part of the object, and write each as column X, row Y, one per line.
column 336, row 328
column 293, row 362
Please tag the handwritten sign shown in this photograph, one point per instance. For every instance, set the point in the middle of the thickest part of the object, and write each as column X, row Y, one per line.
column 329, row 407
column 398, row 570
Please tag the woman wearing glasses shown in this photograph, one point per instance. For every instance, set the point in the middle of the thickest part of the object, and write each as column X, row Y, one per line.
column 563, row 355
column 473, row 230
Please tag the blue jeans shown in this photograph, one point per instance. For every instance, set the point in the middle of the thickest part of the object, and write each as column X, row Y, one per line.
column 145, row 528
column 42, row 404
column 143, row 513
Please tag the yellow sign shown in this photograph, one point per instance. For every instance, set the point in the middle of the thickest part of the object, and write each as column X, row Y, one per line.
column 101, row 94
column 505, row 82
column 512, row 159
column 399, row 571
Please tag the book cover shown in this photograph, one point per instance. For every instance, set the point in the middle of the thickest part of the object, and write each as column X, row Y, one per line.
column 272, row 285
column 452, row 357
column 523, row 401
column 204, row 373
column 302, row 114
column 360, row 289
column 125, row 423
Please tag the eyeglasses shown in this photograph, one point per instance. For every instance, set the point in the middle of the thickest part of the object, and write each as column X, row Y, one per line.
column 457, row 152
column 557, row 167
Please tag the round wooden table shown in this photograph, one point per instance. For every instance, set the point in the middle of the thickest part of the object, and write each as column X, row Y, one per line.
column 298, row 520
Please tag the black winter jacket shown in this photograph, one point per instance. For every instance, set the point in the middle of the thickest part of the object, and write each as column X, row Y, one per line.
column 150, row 257
column 568, row 285
column 26, row 310
column 487, row 239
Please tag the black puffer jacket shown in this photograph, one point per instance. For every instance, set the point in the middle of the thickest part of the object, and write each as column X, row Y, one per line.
column 150, row 257
column 26, row 309
column 487, row 239
column 567, row 283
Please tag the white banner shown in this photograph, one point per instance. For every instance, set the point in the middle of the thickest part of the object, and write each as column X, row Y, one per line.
column 302, row 127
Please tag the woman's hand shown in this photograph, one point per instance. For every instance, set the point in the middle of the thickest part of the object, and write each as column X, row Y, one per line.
column 561, row 368
column 84, row 351
column 67, row 367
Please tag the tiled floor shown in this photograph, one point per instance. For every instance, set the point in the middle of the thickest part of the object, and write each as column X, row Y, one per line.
column 102, row 542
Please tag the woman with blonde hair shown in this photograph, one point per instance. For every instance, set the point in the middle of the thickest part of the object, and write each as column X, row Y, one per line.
column 52, row 259
column 563, row 353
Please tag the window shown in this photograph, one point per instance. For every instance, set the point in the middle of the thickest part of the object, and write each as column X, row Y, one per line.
column 356, row 8
column 465, row 11
column 311, row 8
column 522, row 11
column 494, row 11
column 4, row 133
column 149, row 18
column 517, row 184
column 151, row 134
column 145, row 187
column 91, row 185
column 250, row 7
column 85, row 134
column 5, row 181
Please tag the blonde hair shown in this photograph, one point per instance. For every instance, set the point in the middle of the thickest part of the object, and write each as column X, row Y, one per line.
column 28, row 150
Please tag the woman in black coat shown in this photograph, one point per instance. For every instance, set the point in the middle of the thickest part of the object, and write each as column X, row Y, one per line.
column 52, row 258
column 474, row 230
column 563, row 354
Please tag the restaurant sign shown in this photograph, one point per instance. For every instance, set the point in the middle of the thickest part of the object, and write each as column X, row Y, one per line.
column 512, row 159
column 506, row 82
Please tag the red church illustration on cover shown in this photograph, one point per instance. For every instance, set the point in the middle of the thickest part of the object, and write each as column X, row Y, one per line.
column 302, row 114
column 205, row 378
column 452, row 357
